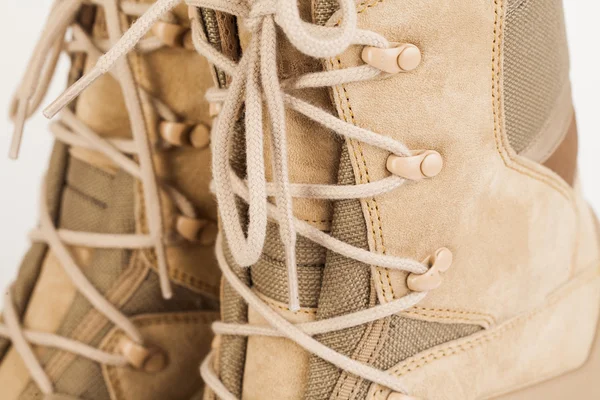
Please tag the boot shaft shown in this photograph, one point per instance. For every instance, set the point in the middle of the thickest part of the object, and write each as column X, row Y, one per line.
column 491, row 98
column 87, row 192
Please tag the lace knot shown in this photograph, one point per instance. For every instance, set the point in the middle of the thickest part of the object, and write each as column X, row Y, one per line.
column 259, row 10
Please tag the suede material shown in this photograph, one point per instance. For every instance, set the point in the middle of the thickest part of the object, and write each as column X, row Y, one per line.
column 180, row 335
column 527, row 349
column 487, row 203
column 276, row 368
column 508, row 220
column 515, row 227
column 554, row 130
column 588, row 249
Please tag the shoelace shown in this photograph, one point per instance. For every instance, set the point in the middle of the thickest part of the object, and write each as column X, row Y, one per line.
column 72, row 131
column 255, row 78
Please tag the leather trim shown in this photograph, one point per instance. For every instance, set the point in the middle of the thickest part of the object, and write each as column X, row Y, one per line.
column 564, row 159
column 555, row 129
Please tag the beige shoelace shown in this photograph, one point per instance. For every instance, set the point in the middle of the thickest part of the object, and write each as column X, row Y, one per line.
column 255, row 79
column 72, row 131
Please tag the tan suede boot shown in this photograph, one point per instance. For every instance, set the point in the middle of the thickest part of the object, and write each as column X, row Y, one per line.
column 126, row 212
column 443, row 249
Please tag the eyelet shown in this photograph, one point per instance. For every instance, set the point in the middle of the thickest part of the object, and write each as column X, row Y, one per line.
column 190, row 228
column 214, row 109
column 182, row 134
column 197, row 230
column 172, row 34
column 423, row 164
column 149, row 359
column 208, row 237
column 187, row 41
column 405, row 57
column 200, row 136
column 432, row 279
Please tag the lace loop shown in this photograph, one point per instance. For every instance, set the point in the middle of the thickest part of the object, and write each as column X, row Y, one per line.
column 317, row 41
column 259, row 10
column 255, row 85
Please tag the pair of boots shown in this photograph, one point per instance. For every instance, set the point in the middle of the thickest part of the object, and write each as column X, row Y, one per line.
column 399, row 212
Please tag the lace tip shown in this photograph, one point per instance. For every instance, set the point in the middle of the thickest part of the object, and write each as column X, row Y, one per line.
column 165, row 283
column 17, row 136
column 293, row 289
column 294, row 305
column 71, row 93
column 167, row 293
column 15, row 146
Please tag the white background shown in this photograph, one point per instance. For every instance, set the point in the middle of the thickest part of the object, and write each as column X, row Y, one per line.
column 21, row 20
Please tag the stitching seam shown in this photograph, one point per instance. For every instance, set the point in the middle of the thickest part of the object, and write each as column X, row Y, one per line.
column 510, row 160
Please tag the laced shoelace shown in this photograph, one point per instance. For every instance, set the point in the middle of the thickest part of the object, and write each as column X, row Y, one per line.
column 255, row 85
column 73, row 132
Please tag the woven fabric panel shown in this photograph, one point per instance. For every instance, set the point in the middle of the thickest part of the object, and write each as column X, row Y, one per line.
column 407, row 337
column 79, row 382
column 232, row 352
column 269, row 275
column 346, row 287
column 322, row 10
column 117, row 216
column 536, row 66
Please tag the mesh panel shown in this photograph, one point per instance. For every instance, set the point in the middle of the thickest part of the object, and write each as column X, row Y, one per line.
column 232, row 352
column 346, row 288
column 407, row 337
column 78, row 380
column 269, row 275
column 323, row 10
column 148, row 299
column 536, row 66
column 89, row 212
column 118, row 217
column 79, row 178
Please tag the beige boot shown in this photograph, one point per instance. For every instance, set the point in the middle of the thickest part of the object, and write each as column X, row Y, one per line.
column 443, row 249
column 127, row 211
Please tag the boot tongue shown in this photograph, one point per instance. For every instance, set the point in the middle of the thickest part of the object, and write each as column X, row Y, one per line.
column 330, row 284
column 313, row 156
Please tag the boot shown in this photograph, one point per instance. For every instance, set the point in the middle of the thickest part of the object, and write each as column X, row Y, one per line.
column 442, row 248
column 115, row 298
